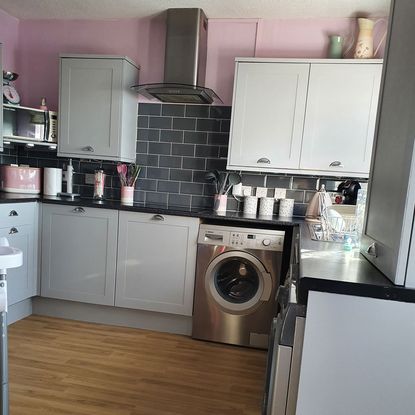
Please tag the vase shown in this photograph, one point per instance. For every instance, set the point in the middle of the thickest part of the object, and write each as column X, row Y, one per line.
column 364, row 44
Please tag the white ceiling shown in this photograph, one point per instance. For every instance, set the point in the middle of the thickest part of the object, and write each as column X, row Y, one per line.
column 113, row 9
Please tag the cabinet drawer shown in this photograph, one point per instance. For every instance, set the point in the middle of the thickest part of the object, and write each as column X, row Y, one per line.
column 12, row 214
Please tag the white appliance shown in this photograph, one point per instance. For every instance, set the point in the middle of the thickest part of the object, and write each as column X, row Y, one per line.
column 237, row 277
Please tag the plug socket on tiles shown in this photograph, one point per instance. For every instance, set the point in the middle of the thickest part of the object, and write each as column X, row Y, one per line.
column 261, row 192
column 240, row 190
column 280, row 193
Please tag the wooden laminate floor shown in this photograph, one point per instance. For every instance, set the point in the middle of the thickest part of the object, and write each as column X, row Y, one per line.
column 64, row 367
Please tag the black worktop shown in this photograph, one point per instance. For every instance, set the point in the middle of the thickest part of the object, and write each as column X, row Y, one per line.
column 327, row 267
column 323, row 266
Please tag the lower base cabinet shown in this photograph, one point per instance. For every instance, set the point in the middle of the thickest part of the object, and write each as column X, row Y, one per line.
column 156, row 262
column 79, row 249
column 19, row 224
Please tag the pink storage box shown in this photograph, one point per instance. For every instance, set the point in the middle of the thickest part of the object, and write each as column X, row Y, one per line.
column 20, row 179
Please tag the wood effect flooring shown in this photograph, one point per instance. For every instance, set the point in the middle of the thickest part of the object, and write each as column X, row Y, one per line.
column 65, row 367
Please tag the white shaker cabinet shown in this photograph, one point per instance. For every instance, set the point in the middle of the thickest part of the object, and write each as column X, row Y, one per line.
column 267, row 115
column 19, row 224
column 304, row 116
column 340, row 119
column 156, row 262
column 79, row 249
column 97, row 108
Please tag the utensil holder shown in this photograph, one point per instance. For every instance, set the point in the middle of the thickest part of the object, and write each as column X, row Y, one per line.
column 220, row 203
column 250, row 205
column 266, row 206
column 286, row 207
column 127, row 195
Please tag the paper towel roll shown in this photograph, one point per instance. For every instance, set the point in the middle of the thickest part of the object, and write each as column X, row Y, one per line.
column 52, row 181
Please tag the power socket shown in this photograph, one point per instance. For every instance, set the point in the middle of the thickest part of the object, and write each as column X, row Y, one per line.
column 280, row 193
column 261, row 192
column 246, row 190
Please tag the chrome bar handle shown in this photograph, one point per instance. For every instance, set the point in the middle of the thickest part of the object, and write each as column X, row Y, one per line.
column 78, row 210
column 13, row 231
column 158, row 217
column 336, row 163
column 88, row 148
column 264, row 160
column 13, row 213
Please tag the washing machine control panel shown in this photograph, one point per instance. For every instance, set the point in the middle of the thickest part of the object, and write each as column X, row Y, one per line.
column 265, row 242
column 241, row 238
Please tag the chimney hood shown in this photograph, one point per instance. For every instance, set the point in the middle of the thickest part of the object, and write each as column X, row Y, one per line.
column 185, row 61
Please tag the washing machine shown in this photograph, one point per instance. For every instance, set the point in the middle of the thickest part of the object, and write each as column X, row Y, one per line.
column 237, row 275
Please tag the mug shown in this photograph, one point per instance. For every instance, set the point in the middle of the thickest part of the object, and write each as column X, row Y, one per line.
column 266, row 206
column 286, row 207
column 250, row 205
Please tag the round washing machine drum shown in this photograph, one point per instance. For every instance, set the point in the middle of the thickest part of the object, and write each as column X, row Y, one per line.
column 238, row 281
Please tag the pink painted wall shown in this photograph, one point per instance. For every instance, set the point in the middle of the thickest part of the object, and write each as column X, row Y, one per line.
column 39, row 43
column 9, row 37
column 226, row 40
column 43, row 40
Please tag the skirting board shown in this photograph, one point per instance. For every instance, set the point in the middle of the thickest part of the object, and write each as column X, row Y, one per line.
column 116, row 316
column 19, row 310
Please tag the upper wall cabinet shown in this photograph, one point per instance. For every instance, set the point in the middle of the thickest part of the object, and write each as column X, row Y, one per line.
column 268, row 115
column 340, row 119
column 304, row 116
column 97, row 108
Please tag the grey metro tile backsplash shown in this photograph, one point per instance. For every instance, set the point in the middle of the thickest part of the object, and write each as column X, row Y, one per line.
column 176, row 145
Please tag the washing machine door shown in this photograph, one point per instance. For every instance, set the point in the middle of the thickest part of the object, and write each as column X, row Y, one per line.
column 237, row 281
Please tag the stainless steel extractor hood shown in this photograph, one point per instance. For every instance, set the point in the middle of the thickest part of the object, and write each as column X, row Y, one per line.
column 185, row 61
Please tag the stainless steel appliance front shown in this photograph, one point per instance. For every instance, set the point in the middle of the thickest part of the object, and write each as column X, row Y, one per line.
column 237, row 276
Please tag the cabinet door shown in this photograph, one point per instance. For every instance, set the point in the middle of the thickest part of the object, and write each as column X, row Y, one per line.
column 156, row 262
column 21, row 282
column 340, row 118
column 90, row 107
column 79, row 248
column 267, row 115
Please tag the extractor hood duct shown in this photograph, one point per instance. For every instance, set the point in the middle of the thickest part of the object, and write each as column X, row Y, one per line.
column 185, row 61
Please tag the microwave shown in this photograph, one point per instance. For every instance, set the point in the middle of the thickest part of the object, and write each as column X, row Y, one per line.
column 30, row 124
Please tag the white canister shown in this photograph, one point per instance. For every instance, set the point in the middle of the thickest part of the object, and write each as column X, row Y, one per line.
column 250, row 205
column 286, row 207
column 266, row 206
column 52, row 181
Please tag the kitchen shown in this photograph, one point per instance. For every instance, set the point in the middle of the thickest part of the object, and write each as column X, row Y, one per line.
column 171, row 222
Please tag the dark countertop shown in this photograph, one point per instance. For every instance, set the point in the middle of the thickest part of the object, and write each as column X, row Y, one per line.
column 274, row 221
column 323, row 266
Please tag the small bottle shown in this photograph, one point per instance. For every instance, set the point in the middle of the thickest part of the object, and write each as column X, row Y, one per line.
column 43, row 105
column 99, row 184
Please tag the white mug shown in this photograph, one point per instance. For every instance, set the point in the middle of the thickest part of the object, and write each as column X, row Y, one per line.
column 266, row 206
column 286, row 207
column 250, row 205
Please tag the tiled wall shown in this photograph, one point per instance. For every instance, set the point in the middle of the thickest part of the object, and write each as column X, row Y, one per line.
column 176, row 145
